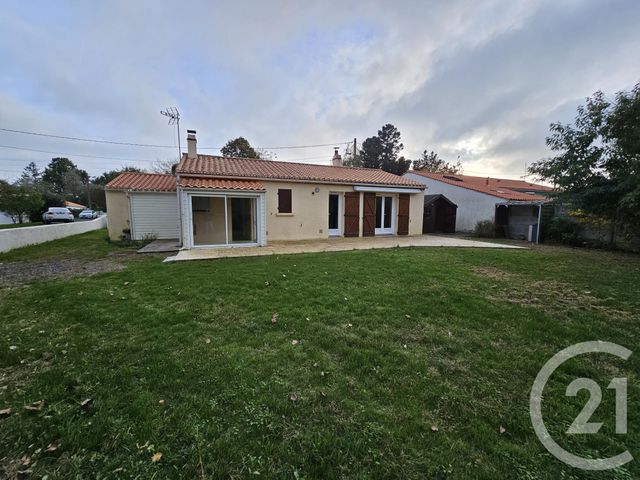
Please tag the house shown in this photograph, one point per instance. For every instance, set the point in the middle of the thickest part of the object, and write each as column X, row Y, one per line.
column 74, row 207
column 214, row 201
column 6, row 219
column 514, row 205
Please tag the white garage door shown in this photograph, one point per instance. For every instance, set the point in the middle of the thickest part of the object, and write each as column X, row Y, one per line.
column 154, row 214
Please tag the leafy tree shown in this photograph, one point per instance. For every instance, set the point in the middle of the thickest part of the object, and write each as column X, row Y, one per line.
column 431, row 162
column 31, row 176
column 371, row 153
column 597, row 165
column 239, row 147
column 18, row 201
column 57, row 174
column 106, row 177
column 382, row 151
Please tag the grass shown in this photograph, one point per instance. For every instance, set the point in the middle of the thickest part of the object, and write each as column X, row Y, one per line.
column 91, row 245
column 369, row 351
column 20, row 225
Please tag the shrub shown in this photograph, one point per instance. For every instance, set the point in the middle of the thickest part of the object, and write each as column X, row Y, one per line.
column 563, row 230
column 485, row 228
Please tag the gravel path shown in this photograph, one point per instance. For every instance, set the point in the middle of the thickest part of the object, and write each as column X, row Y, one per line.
column 13, row 274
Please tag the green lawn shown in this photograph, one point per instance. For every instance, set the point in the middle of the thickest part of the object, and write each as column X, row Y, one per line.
column 20, row 225
column 370, row 350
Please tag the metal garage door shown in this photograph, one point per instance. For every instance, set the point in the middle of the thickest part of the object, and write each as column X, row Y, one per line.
column 154, row 214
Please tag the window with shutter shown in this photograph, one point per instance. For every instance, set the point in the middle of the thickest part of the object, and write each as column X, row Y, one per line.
column 284, row 200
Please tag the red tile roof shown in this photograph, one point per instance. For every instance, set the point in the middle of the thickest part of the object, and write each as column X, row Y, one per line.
column 230, row 167
column 514, row 190
column 69, row 204
column 146, row 182
column 220, row 184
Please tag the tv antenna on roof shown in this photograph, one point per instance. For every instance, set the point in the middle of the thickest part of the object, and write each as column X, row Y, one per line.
column 174, row 119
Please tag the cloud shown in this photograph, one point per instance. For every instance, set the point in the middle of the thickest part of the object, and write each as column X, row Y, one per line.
column 476, row 79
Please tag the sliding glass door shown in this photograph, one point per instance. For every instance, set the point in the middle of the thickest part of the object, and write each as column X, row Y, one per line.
column 224, row 220
column 243, row 224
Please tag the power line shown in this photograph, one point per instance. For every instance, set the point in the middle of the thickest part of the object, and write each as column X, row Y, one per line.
column 303, row 146
column 76, row 154
column 78, row 139
column 147, row 145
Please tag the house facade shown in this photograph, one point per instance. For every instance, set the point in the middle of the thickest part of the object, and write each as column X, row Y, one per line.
column 214, row 201
column 514, row 205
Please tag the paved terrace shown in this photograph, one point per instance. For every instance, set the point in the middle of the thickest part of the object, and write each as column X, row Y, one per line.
column 333, row 245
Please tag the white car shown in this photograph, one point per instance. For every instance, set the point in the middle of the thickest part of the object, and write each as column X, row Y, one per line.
column 57, row 214
column 88, row 214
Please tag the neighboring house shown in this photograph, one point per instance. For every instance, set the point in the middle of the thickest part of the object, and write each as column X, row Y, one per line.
column 514, row 205
column 6, row 219
column 74, row 207
column 223, row 201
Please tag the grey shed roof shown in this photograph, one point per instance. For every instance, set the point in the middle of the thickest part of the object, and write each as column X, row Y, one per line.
column 429, row 199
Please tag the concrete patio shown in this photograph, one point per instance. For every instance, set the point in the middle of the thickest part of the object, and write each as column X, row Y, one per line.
column 333, row 245
column 161, row 246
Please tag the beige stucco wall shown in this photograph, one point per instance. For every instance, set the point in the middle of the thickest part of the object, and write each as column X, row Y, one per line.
column 310, row 216
column 117, row 213
column 416, row 208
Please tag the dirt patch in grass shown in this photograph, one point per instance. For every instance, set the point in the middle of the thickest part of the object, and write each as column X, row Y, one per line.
column 15, row 377
column 14, row 274
column 552, row 297
column 492, row 272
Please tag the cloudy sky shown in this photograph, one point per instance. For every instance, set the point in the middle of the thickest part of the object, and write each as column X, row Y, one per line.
column 479, row 80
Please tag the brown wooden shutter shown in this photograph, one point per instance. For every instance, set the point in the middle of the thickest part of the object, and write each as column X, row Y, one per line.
column 351, row 214
column 369, row 215
column 284, row 200
column 403, row 214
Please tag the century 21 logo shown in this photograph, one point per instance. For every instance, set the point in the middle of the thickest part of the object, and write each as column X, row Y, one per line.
column 581, row 424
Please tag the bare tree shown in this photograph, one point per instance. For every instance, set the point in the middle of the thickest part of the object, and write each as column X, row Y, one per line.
column 163, row 166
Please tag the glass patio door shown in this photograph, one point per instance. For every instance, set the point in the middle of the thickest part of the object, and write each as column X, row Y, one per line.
column 334, row 229
column 224, row 220
column 384, row 215
column 243, row 223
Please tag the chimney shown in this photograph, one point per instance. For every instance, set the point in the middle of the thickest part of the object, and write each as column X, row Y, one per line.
column 192, row 151
column 336, row 161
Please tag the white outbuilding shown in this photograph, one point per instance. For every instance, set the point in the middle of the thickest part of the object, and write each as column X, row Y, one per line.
column 515, row 206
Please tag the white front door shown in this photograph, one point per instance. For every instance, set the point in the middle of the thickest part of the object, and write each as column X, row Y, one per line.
column 335, row 216
column 384, row 215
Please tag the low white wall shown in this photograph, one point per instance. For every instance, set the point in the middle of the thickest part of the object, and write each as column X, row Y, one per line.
column 11, row 238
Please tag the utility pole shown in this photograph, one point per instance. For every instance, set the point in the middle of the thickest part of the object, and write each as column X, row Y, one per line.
column 174, row 119
column 88, row 185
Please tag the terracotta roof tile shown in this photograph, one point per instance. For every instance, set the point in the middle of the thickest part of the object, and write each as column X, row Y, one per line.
column 514, row 190
column 220, row 184
column 73, row 204
column 230, row 167
column 146, row 182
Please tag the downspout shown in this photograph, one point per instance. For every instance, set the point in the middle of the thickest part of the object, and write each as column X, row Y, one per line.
column 131, row 227
column 180, row 235
column 539, row 220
